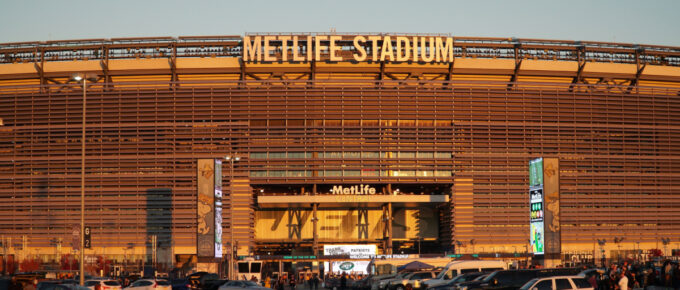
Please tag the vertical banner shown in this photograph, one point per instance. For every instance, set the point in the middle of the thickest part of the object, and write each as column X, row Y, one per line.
column 536, row 212
column 205, row 239
column 218, row 208
column 551, row 174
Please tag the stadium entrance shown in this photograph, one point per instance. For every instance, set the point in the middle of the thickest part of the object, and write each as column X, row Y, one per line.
column 302, row 220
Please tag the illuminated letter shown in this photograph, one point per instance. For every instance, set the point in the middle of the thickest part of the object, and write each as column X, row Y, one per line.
column 268, row 48
column 403, row 52
column 374, row 47
column 310, row 52
column 333, row 48
column 423, row 49
column 360, row 48
column 444, row 53
column 371, row 190
column 387, row 48
column 284, row 47
column 337, row 189
column 415, row 49
column 345, row 190
column 251, row 51
column 296, row 50
column 318, row 47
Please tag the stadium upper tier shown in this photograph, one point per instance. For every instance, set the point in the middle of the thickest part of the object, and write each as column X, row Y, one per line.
column 188, row 60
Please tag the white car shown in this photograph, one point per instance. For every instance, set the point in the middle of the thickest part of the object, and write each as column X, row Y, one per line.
column 150, row 284
column 558, row 283
column 103, row 285
column 414, row 280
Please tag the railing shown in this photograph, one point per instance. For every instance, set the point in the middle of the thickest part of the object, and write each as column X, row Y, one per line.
column 231, row 46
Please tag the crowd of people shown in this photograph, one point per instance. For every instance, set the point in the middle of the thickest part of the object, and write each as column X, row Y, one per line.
column 624, row 276
column 310, row 281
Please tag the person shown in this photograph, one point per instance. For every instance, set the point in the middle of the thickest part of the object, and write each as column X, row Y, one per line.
column 315, row 282
column 343, row 281
column 267, row 282
column 253, row 279
column 634, row 283
column 280, row 283
column 291, row 282
column 623, row 281
column 593, row 280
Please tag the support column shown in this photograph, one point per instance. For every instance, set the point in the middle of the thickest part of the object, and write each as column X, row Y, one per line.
column 362, row 225
column 295, row 223
column 315, row 245
column 389, row 228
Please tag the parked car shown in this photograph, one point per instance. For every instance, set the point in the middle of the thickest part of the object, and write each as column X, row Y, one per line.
column 106, row 284
column 54, row 284
column 464, row 285
column 455, row 268
column 242, row 284
column 198, row 279
column 180, row 284
column 213, row 284
column 363, row 283
column 558, row 282
column 455, row 281
column 150, row 284
column 412, row 280
column 383, row 283
column 514, row 279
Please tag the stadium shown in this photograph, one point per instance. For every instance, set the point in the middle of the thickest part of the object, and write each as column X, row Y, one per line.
column 408, row 144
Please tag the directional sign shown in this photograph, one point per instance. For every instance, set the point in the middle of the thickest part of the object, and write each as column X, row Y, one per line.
column 88, row 238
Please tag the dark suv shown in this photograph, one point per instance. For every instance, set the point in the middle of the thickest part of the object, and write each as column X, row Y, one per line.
column 514, row 279
column 200, row 279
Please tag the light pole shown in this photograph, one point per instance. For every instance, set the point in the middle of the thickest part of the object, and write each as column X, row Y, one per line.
column 617, row 241
column 231, row 160
column 665, row 242
column 602, row 242
column 79, row 77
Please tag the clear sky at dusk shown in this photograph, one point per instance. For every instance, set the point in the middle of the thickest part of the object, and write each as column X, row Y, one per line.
column 644, row 22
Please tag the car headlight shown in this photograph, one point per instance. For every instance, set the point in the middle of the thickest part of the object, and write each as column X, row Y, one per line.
column 462, row 288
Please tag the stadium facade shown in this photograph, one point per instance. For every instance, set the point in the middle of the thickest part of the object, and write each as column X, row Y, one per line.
column 412, row 143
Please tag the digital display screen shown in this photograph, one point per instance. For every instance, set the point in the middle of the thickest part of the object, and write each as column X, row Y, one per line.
column 537, row 242
column 536, row 172
column 536, row 207
column 537, row 212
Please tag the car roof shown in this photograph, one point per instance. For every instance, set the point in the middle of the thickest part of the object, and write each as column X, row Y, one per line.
column 560, row 277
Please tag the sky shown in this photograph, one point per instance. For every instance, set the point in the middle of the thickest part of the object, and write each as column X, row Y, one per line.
column 641, row 21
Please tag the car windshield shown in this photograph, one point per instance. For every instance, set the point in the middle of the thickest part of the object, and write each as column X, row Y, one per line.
column 527, row 285
column 464, row 278
column 482, row 278
column 250, row 283
column 111, row 283
column 162, row 282
column 442, row 273
column 489, row 277
column 91, row 283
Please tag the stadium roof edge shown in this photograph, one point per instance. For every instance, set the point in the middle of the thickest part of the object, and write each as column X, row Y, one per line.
column 456, row 38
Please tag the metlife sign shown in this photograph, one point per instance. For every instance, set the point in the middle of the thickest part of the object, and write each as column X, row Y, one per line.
column 353, row 251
